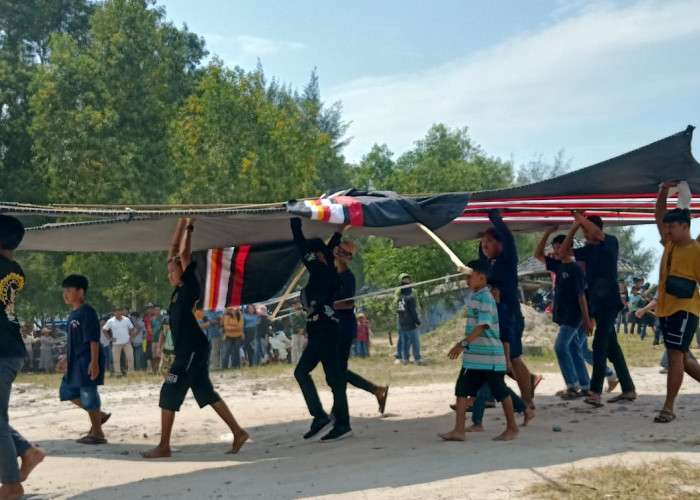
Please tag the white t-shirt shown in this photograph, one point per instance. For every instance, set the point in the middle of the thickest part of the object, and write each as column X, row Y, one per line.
column 119, row 329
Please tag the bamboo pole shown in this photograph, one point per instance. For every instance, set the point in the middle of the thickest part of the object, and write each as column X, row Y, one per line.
column 461, row 267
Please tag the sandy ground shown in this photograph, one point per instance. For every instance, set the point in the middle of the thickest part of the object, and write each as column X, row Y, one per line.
column 394, row 456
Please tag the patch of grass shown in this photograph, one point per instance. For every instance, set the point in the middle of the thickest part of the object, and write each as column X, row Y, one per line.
column 663, row 480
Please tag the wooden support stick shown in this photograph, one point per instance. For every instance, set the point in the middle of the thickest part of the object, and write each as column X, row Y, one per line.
column 461, row 267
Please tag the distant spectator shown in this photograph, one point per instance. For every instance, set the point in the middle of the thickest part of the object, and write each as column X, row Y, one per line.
column 46, row 362
column 298, row 332
column 363, row 334
column 137, row 341
column 233, row 335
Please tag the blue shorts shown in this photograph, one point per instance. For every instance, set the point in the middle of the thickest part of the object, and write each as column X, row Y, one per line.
column 88, row 395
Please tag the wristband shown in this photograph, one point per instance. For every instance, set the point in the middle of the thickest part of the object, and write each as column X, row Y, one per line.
column 189, row 228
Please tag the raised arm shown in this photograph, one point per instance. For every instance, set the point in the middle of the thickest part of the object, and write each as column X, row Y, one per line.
column 186, row 243
column 539, row 251
column 660, row 208
column 569, row 240
column 504, row 233
column 594, row 230
column 174, row 250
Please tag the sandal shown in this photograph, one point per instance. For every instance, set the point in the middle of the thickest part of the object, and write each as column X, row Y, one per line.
column 625, row 396
column 571, row 394
column 382, row 400
column 664, row 417
column 593, row 401
column 90, row 439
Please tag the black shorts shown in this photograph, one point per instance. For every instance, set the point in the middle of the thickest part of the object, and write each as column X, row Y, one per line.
column 470, row 381
column 678, row 330
column 149, row 348
column 191, row 371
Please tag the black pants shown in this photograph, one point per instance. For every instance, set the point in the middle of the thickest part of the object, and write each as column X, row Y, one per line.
column 188, row 372
column 323, row 347
column 605, row 347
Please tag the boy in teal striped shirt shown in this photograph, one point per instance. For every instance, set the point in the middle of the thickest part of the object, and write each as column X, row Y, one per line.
column 483, row 356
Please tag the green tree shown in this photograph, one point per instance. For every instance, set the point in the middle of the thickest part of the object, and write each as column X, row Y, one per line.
column 25, row 30
column 376, row 171
column 238, row 140
column 102, row 108
column 102, row 105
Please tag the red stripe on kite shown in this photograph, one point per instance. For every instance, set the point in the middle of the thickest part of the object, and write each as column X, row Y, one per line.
column 217, row 255
column 354, row 209
column 239, row 274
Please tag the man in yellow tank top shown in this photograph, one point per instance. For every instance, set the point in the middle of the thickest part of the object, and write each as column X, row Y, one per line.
column 678, row 305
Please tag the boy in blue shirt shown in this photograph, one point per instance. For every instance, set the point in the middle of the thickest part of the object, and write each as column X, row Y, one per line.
column 483, row 356
column 85, row 359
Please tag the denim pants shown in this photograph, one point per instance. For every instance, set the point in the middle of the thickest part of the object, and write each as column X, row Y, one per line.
column 139, row 357
column 621, row 320
column 605, row 346
column 410, row 338
column 258, row 351
column 588, row 354
column 12, row 444
column 485, row 395
column 570, row 357
column 362, row 349
column 399, row 342
column 232, row 353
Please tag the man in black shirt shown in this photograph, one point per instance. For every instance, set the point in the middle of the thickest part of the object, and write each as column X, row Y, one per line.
column 599, row 256
column 12, row 353
column 323, row 330
column 191, row 366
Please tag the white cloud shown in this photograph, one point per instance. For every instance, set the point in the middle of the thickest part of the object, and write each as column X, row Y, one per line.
column 588, row 66
column 244, row 50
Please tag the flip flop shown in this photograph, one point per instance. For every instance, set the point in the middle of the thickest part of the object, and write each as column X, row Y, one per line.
column 625, row 396
column 534, row 382
column 382, row 400
column 90, row 439
column 664, row 417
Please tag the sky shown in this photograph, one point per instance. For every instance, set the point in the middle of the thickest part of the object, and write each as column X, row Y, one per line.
column 593, row 79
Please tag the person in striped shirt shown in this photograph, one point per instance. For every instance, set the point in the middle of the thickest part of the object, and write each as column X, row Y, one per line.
column 483, row 356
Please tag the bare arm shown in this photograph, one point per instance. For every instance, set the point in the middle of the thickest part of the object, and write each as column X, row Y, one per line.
column 457, row 348
column 539, row 251
column 174, row 250
column 660, row 208
column 583, row 305
column 94, row 367
column 186, row 244
column 569, row 240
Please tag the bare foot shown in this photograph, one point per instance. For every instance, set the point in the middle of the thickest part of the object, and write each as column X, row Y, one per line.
column 11, row 491
column 529, row 414
column 454, row 435
column 31, row 458
column 238, row 440
column 475, row 428
column 508, row 435
column 157, row 452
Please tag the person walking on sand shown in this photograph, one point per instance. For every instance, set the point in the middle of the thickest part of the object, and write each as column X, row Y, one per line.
column 323, row 330
column 483, row 357
column 12, row 353
column 678, row 306
column 600, row 257
column 190, row 369
column 85, row 358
